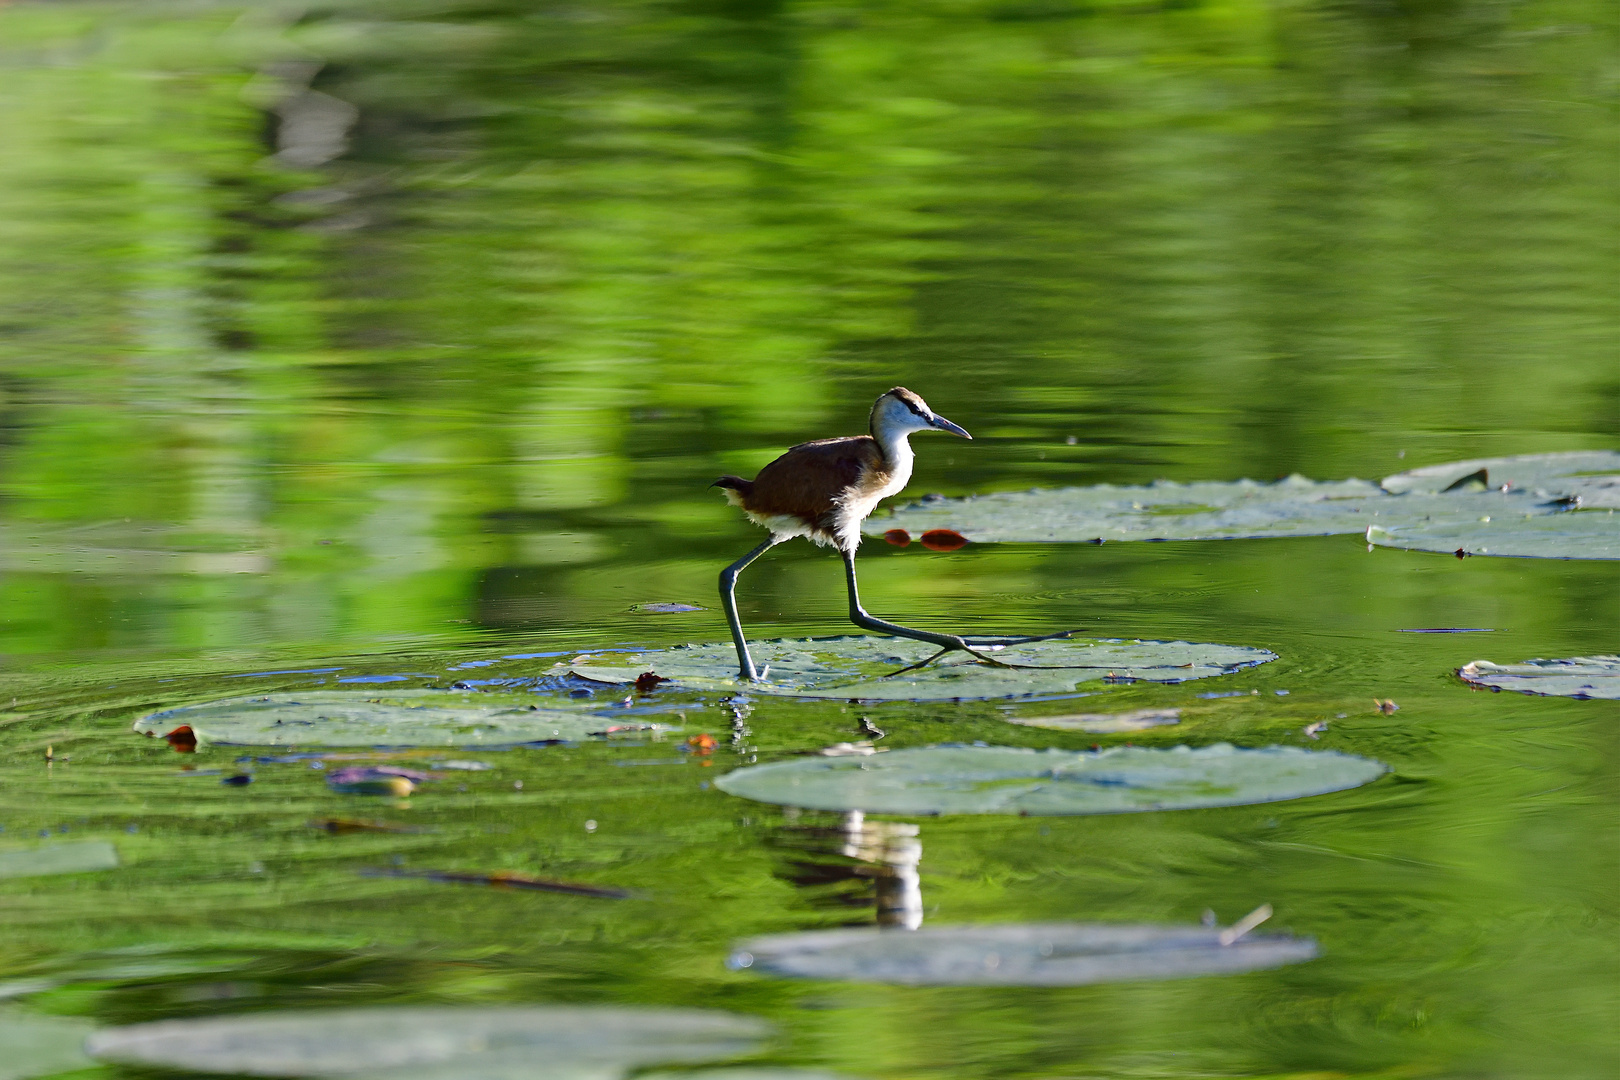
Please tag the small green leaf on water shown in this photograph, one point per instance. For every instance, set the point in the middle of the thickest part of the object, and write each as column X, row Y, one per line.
column 1031, row 954
column 1593, row 476
column 1581, row 534
column 859, row 667
column 37, row 1046
column 1580, row 677
column 78, row 857
column 1102, row 723
column 366, row 718
column 1011, row 780
column 435, row 1043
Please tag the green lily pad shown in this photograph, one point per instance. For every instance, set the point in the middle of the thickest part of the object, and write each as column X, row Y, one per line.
column 1010, row 780
column 368, row 718
column 858, row 667
column 1591, row 476
column 78, row 857
column 427, row 1043
column 1102, row 723
column 1581, row 534
column 1029, row 954
column 1580, row 677
column 1438, row 495
column 1201, row 511
column 41, row 1045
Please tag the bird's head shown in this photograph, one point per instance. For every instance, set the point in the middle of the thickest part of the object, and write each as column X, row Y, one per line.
column 900, row 412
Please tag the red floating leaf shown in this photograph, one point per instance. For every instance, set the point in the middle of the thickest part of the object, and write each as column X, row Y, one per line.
column 702, row 744
column 647, row 682
column 898, row 537
column 182, row 740
column 943, row 540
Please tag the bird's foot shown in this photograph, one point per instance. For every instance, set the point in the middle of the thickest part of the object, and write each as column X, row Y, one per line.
column 978, row 657
column 981, row 642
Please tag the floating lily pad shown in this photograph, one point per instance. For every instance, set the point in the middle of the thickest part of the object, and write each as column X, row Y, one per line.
column 858, row 667
column 400, row 718
column 1200, row 511
column 75, row 858
column 1583, row 534
column 1010, row 780
column 1437, row 495
column 1581, row 677
column 434, row 1043
column 41, row 1045
column 1591, row 476
column 1029, row 954
column 1103, row 723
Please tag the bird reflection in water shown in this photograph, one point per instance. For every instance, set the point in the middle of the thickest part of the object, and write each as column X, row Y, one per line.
column 859, row 863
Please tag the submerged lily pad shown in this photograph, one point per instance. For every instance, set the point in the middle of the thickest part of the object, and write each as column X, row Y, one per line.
column 1011, row 780
column 1438, row 495
column 1102, row 723
column 75, row 858
column 1029, row 954
column 401, row 718
column 434, row 1043
column 1580, row 677
column 41, row 1045
column 1582, row 534
column 1590, row 476
column 858, row 667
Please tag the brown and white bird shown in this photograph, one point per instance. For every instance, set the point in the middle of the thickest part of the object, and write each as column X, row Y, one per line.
column 822, row 491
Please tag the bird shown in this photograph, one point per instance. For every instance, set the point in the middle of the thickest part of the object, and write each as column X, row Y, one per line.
column 822, row 491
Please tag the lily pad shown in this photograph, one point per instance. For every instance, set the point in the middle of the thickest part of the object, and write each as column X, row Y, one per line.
column 1200, row 511
column 1102, row 723
column 400, row 718
column 75, row 858
column 429, row 1043
column 1582, row 534
column 41, row 1045
column 1027, row 954
column 1454, row 493
column 1580, row 677
column 1011, row 780
column 1590, row 476
column 859, row 667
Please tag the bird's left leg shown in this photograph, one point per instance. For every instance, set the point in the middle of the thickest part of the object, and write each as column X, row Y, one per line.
column 947, row 642
column 728, row 600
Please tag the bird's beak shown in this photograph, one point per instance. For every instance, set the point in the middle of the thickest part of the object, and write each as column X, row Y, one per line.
column 945, row 425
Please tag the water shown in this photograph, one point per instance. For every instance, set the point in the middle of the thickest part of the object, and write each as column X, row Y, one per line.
column 456, row 394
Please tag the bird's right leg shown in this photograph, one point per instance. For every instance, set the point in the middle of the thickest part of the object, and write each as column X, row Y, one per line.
column 728, row 600
column 947, row 643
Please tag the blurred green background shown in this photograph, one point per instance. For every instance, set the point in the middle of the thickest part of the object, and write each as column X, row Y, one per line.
column 413, row 330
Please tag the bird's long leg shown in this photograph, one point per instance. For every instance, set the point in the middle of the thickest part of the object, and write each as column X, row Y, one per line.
column 946, row 642
column 728, row 600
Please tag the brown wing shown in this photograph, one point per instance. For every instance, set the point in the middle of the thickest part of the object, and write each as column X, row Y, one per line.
column 807, row 479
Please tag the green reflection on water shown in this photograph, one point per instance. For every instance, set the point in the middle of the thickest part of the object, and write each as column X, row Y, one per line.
column 465, row 384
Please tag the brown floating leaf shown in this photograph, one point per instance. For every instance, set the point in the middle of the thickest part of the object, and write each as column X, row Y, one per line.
column 703, row 743
column 182, row 740
column 898, row 537
column 647, row 682
column 340, row 826
column 943, row 540
column 504, row 879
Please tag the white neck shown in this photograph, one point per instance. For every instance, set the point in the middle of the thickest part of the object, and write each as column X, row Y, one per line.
column 897, row 452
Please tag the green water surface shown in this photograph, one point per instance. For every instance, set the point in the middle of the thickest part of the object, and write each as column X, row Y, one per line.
column 444, row 380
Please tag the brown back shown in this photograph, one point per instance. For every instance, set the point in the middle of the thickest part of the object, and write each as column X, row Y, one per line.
column 807, row 479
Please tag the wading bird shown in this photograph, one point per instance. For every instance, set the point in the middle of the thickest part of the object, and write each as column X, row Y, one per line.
column 822, row 491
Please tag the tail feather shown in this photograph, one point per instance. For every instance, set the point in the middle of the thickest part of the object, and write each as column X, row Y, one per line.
column 737, row 489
